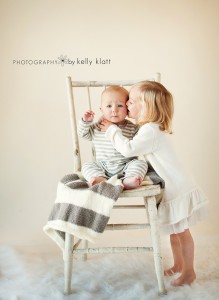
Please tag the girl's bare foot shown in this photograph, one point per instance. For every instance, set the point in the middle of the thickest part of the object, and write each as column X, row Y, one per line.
column 173, row 270
column 177, row 255
column 185, row 278
column 132, row 182
column 95, row 180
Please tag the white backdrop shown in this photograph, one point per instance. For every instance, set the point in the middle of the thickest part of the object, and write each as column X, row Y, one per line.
column 177, row 38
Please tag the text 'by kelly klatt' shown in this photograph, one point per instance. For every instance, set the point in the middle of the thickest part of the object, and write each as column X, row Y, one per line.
column 64, row 60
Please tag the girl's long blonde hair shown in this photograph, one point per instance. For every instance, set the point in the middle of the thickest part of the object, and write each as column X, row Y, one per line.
column 158, row 104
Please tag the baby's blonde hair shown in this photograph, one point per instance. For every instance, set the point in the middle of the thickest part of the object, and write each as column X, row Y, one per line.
column 158, row 104
column 116, row 88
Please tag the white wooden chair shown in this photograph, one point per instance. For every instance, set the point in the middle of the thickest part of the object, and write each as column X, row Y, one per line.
column 149, row 194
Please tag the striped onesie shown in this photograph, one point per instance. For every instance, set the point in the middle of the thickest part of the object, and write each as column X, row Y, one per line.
column 108, row 160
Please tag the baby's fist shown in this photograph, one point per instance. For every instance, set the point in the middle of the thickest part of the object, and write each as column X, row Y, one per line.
column 88, row 116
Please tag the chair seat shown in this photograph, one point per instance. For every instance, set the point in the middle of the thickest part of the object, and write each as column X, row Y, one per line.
column 142, row 191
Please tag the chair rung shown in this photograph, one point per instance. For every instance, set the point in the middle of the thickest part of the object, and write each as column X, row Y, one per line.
column 113, row 250
column 129, row 206
column 126, row 226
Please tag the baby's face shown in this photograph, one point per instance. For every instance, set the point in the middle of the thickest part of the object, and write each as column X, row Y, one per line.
column 113, row 106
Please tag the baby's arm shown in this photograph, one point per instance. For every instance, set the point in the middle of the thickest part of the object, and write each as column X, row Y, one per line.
column 85, row 128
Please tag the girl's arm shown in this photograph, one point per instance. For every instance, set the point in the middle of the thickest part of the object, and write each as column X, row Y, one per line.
column 142, row 143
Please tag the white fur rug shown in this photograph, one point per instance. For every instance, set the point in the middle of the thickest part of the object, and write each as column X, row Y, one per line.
column 30, row 274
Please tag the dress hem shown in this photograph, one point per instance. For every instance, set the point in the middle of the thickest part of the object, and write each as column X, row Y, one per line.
column 180, row 213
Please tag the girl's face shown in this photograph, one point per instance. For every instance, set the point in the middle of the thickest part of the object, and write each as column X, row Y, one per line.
column 134, row 104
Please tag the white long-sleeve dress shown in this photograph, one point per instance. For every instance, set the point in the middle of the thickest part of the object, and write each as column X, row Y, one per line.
column 183, row 201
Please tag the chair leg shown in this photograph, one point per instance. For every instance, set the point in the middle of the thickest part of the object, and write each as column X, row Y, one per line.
column 85, row 246
column 68, row 262
column 150, row 203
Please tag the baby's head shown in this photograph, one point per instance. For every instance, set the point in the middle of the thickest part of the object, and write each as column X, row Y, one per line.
column 150, row 101
column 113, row 104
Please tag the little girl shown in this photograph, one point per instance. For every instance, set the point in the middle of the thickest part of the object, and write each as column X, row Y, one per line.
column 151, row 104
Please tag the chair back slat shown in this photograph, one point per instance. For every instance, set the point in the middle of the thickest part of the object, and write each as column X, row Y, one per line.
column 76, row 148
column 89, row 100
column 109, row 83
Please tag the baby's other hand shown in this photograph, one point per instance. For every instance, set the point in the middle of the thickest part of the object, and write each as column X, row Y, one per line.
column 104, row 124
column 88, row 116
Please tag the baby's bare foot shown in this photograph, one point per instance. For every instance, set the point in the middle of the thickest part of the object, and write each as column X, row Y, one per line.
column 185, row 278
column 132, row 182
column 95, row 180
column 172, row 271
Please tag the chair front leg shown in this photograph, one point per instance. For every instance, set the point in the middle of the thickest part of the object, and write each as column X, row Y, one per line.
column 150, row 203
column 68, row 262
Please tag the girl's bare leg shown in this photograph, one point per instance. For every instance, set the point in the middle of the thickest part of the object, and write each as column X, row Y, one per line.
column 177, row 256
column 187, row 246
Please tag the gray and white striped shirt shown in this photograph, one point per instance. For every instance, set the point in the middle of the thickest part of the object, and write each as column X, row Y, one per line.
column 105, row 152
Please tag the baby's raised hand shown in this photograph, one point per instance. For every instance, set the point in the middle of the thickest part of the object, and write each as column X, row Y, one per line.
column 88, row 116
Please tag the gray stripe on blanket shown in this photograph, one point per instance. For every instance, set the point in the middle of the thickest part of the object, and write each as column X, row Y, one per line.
column 108, row 190
column 68, row 178
column 154, row 177
column 79, row 216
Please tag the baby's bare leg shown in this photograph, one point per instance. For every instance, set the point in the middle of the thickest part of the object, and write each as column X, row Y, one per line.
column 187, row 246
column 95, row 180
column 177, row 256
column 132, row 182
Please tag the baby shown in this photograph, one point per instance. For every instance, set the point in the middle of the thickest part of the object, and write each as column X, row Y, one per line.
column 108, row 160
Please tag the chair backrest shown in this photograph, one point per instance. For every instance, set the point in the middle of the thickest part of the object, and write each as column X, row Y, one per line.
column 71, row 85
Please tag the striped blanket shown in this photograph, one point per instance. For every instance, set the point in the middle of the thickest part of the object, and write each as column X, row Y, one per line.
column 82, row 210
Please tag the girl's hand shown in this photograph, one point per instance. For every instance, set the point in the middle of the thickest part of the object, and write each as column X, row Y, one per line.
column 88, row 116
column 104, row 124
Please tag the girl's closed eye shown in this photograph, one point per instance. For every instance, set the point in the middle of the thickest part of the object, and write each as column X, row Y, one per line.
column 129, row 102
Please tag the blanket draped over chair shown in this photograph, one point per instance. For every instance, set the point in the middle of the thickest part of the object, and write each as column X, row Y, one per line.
column 84, row 211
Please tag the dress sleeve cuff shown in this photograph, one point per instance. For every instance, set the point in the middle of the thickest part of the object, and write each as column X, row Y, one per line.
column 111, row 131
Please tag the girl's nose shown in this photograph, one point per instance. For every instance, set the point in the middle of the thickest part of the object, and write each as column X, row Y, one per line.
column 127, row 103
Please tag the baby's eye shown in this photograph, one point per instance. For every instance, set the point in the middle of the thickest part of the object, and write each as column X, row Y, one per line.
column 108, row 106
